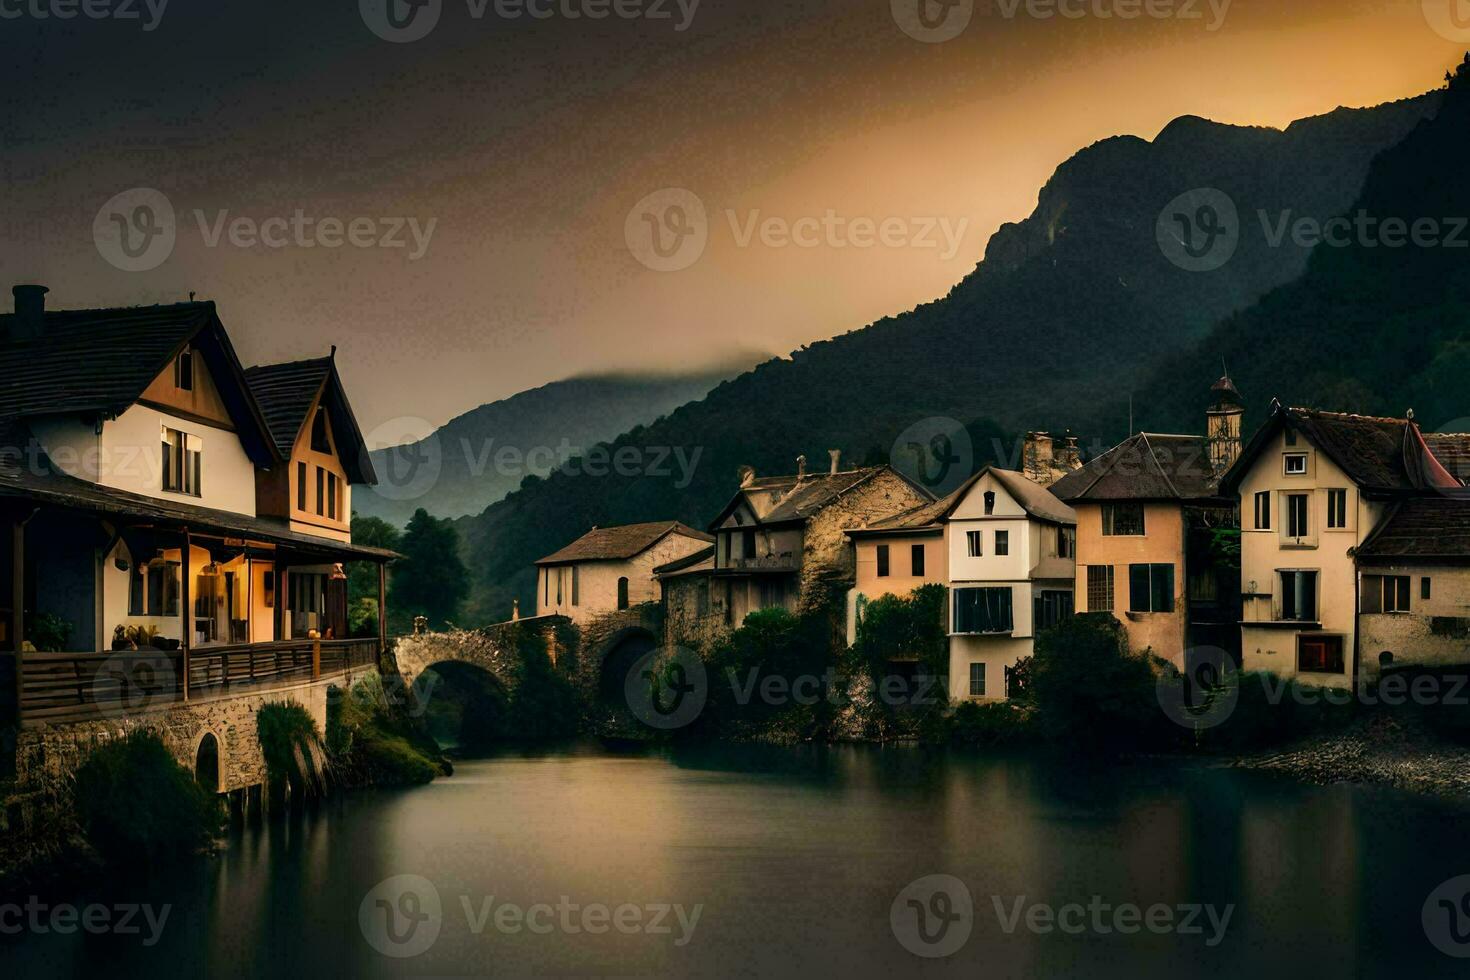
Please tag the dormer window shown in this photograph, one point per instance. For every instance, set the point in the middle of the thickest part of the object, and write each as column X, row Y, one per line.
column 989, row 502
column 184, row 371
column 319, row 441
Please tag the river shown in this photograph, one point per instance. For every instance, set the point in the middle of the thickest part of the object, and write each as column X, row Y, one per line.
column 725, row 861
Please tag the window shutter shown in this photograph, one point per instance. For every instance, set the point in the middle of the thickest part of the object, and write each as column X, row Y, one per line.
column 1372, row 599
column 1138, row 588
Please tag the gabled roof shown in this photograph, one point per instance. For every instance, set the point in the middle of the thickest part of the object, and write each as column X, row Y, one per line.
column 286, row 394
column 1422, row 527
column 1383, row 455
column 689, row 564
column 1036, row 500
column 99, row 362
column 1148, row 466
column 802, row 497
column 620, row 543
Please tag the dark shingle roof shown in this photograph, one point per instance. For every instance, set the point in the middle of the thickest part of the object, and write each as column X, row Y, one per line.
column 619, row 543
column 1145, row 467
column 285, row 393
column 1423, row 527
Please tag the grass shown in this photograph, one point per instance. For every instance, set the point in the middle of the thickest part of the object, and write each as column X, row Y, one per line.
column 370, row 742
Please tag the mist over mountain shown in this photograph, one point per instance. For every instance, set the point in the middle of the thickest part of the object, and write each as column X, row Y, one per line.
column 481, row 456
column 1070, row 310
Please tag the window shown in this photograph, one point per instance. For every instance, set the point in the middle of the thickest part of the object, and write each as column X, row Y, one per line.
column 332, row 496
column 153, row 589
column 1336, row 509
column 1151, row 588
column 268, row 586
column 747, row 544
column 916, row 556
column 1386, row 593
column 1426, row 590
column 321, row 491
column 1100, row 588
column 561, row 575
column 181, row 462
column 576, row 585
column 546, row 587
column 1296, row 464
column 978, row 611
column 319, row 441
column 1066, row 542
column 1053, row 607
column 1263, row 510
column 1122, row 520
column 1320, row 655
column 184, row 371
column 1291, row 437
column 1299, row 596
column 1002, row 543
column 977, row 680
column 301, row 486
column 977, row 543
column 622, row 593
column 883, row 561
column 1297, row 525
column 989, row 502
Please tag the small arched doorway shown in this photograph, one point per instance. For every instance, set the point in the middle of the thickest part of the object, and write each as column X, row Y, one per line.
column 206, row 763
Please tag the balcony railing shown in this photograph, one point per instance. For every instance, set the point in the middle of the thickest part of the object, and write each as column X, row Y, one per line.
column 75, row 686
column 785, row 562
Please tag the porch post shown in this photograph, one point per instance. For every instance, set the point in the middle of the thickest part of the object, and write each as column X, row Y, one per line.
column 187, row 608
column 17, row 610
column 382, row 607
column 279, row 617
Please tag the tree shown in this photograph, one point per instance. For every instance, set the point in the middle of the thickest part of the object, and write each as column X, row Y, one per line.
column 430, row 580
column 362, row 576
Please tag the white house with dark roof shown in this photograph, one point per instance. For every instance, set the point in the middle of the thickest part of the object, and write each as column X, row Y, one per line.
column 612, row 568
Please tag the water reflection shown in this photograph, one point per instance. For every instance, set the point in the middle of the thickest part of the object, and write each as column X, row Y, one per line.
column 794, row 857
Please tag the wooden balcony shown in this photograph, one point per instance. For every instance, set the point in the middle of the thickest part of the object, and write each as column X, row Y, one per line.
column 785, row 562
column 61, row 687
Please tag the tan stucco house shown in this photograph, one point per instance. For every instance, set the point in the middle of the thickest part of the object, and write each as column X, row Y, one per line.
column 1147, row 513
column 611, row 568
column 1339, row 544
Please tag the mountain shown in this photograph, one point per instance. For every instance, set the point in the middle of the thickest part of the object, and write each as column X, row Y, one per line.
column 1371, row 327
column 1070, row 309
column 473, row 461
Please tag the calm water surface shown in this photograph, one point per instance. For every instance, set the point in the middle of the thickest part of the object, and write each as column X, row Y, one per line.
column 795, row 858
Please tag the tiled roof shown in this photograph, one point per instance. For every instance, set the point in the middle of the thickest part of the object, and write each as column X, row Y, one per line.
column 689, row 564
column 286, row 393
column 619, row 543
column 27, row 473
column 1452, row 450
column 1423, row 527
column 1146, row 467
column 814, row 492
column 1035, row 499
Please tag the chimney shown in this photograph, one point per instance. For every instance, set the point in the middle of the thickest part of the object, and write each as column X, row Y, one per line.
column 1070, row 458
column 747, row 476
column 836, row 455
column 1223, row 425
column 1037, row 458
column 30, row 311
column 800, row 468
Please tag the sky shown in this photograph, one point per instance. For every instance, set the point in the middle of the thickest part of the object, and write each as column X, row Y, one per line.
column 471, row 198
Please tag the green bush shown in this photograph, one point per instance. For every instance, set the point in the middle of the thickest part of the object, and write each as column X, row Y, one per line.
column 292, row 747
column 369, row 743
column 1089, row 690
column 989, row 725
column 543, row 703
column 136, row 804
column 772, row 643
column 48, row 633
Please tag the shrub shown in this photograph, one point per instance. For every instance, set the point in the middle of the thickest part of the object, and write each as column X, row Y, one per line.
column 369, row 743
column 137, row 804
column 1089, row 690
column 771, row 643
column 543, row 703
column 990, row 725
column 48, row 633
column 292, row 747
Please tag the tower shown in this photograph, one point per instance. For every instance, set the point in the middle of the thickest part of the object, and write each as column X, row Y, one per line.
column 1223, row 425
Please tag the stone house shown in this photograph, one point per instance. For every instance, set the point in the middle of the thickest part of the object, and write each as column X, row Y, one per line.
column 1343, row 521
column 611, row 568
column 1150, row 514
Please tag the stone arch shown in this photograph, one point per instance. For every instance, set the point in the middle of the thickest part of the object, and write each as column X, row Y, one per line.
column 209, row 762
column 464, row 704
column 617, row 657
column 1385, row 659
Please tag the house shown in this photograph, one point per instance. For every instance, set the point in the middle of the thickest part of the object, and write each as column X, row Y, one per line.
column 1348, row 522
column 1004, row 546
column 780, row 542
column 131, row 450
column 1153, row 528
column 611, row 568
